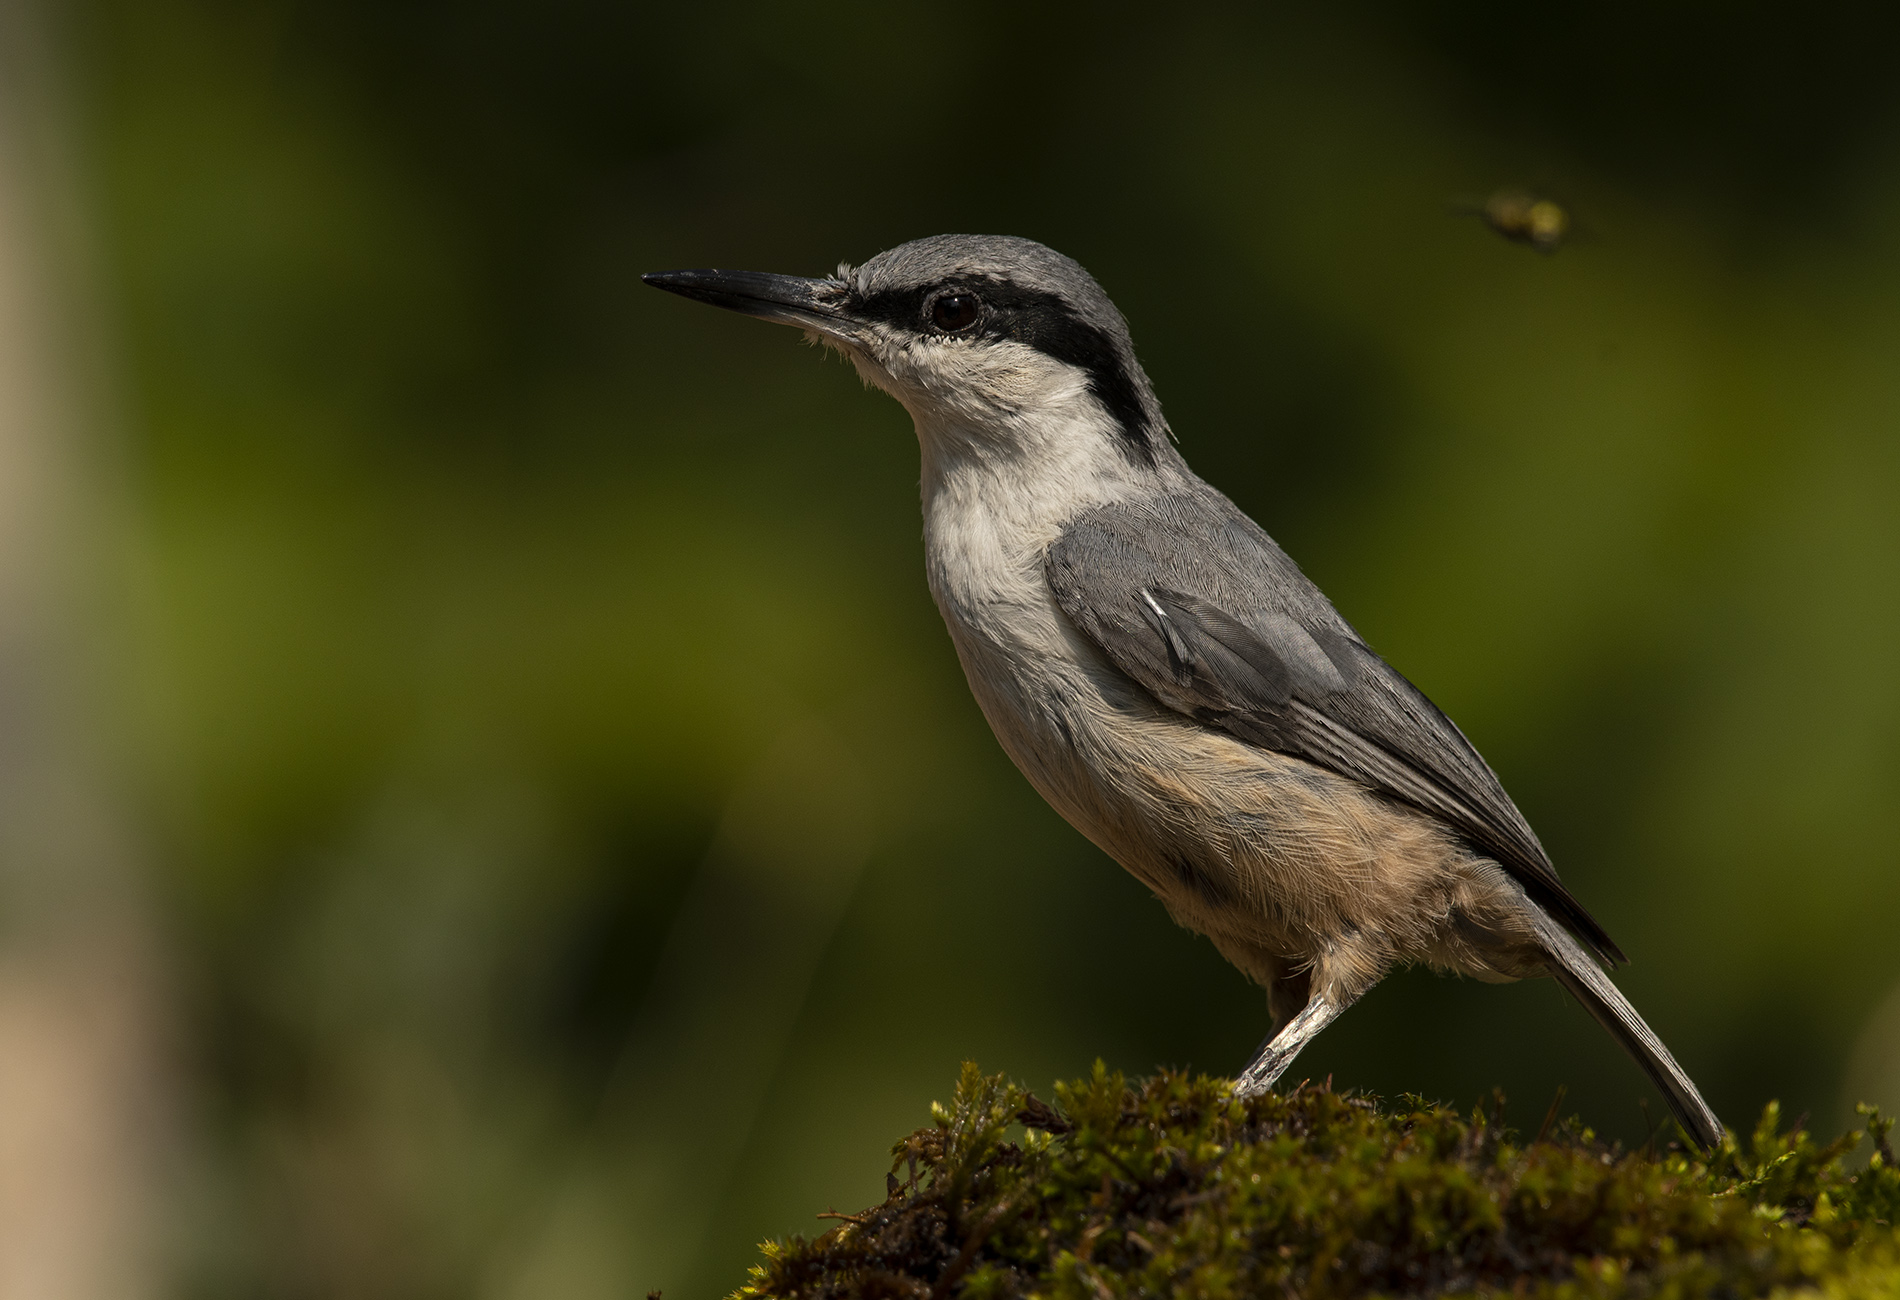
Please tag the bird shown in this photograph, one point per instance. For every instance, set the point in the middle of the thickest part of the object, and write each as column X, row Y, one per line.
column 1165, row 675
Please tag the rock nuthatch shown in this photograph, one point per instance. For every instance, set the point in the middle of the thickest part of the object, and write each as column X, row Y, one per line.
column 1167, row 678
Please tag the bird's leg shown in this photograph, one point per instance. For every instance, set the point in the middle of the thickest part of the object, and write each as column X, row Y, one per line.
column 1278, row 1051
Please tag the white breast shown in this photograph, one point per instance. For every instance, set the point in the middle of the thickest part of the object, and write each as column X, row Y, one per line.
column 989, row 518
column 1015, row 446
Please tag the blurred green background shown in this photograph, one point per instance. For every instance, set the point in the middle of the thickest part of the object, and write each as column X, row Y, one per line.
column 573, row 851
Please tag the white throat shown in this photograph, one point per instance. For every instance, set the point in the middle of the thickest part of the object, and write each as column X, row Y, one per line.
column 997, row 493
column 1015, row 446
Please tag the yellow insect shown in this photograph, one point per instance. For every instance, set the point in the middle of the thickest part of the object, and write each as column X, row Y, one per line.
column 1526, row 218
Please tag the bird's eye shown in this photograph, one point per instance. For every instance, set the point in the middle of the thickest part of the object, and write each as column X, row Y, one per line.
column 953, row 312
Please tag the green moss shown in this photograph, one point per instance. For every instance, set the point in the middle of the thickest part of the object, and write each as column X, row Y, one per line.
column 1171, row 1187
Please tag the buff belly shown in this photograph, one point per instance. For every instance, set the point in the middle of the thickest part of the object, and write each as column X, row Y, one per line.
column 1301, row 878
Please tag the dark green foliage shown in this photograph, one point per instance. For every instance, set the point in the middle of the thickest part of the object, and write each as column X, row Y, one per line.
column 1173, row 1188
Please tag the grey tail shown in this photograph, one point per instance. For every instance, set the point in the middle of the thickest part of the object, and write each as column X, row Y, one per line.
column 1579, row 973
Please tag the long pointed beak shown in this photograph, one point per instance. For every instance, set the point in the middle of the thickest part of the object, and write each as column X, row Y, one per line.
column 786, row 299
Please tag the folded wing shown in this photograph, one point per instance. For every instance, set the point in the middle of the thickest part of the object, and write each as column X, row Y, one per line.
column 1192, row 600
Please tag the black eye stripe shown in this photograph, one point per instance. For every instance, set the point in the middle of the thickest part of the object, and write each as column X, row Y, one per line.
column 1042, row 321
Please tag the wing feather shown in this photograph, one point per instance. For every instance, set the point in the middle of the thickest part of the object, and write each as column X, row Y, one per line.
column 1188, row 597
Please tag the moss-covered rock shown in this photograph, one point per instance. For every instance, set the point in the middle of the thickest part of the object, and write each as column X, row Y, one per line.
column 1172, row 1187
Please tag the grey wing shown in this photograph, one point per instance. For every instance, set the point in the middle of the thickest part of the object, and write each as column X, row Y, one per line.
column 1188, row 597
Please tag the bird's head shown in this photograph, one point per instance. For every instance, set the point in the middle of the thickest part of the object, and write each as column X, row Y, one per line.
column 996, row 345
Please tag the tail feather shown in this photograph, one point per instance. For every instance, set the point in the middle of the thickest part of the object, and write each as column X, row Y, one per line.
column 1586, row 982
